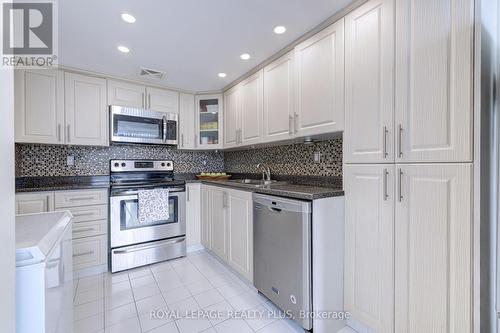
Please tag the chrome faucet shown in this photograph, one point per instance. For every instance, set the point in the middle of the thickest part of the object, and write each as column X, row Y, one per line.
column 266, row 171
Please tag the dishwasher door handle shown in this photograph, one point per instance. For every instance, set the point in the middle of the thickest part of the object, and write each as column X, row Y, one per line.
column 274, row 209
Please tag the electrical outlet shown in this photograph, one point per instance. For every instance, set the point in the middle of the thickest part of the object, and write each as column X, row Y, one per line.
column 317, row 157
column 70, row 160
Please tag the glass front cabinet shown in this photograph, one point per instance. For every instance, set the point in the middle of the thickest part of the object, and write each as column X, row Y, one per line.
column 208, row 113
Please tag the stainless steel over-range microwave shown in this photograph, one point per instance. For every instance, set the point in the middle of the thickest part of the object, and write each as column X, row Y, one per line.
column 134, row 125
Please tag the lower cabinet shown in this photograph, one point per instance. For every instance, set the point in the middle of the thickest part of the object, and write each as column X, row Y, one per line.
column 408, row 239
column 193, row 232
column 90, row 221
column 227, row 226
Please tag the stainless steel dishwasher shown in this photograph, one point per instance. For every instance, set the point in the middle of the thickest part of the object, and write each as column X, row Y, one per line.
column 282, row 253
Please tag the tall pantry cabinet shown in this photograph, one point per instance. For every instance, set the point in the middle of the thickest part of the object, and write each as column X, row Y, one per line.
column 408, row 154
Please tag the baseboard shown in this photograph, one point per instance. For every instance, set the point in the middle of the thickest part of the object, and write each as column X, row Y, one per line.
column 95, row 270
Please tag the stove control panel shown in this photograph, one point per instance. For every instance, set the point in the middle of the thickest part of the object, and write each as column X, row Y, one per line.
column 141, row 165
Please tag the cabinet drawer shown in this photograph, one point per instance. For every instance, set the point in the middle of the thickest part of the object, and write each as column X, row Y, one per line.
column 89, row 251
column 38, row 202
column 92, row 228
column 88, row 213
column 80, row 198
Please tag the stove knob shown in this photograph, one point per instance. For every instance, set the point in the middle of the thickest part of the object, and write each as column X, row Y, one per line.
column 123, row 165
column 163, row 164
column 117, row 165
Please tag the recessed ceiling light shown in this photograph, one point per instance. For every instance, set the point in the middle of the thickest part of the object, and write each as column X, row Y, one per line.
column 279, row 29
column 245, row 56
column 128, row 18
column 123, row 49
column 221, row 75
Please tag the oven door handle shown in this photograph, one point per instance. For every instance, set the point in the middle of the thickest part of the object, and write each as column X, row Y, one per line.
column 147, row 247
column 132, row 191
column 164, row 128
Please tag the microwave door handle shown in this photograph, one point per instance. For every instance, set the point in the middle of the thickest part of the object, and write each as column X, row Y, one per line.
column 164, row 128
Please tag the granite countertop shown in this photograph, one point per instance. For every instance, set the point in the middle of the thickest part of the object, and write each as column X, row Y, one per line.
column 298, row 187
column 61, row 183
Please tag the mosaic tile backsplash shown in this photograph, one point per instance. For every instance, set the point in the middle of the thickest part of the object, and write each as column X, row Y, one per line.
column 297, row 159
column 34, row 160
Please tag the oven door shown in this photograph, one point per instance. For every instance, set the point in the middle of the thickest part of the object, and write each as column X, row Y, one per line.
column 125, row 228
column 134, row 125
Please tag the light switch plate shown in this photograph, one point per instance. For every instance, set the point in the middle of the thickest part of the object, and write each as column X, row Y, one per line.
column 317, row 157
column 70, row 160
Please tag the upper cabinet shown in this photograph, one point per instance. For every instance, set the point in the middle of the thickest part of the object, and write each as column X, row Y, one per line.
column 126, row 94
column 162, row 100
column 86, row 110
column 139, row 96
column 186, row 122
column 278, row 99
column 243, row 112
column 434, row 48
column 369, row 85
column 232, row 108
column 56, row 107
column 208, row 122
column 39, row 106
column 319, row 95
column 251, row 109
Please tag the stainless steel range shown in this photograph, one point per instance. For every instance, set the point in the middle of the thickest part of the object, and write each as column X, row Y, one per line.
column 134, row 244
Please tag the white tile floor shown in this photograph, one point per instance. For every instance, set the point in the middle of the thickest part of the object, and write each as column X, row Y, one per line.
column 123, row 302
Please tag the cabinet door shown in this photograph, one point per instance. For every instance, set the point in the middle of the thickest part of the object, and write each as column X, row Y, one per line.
column 39, row 106
column 231, row 117
column 162, row 100
column 126, row 94
column 434, row 80
column 186, row 121
column 369, row 236
column 433, row 249
column 209, row 113
column 29, row 203
column 369, row 80
column 86, row 111
column 219, row 222
column 319, row 68
column 278, row 99
column 252, row 92
column 205, row 217
column 193, row 205
column 240, row 232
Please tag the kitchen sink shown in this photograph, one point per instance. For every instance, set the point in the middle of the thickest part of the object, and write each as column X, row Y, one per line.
column 256, row 182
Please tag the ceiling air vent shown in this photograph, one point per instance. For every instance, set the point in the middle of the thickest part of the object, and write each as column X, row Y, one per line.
column 151, row 73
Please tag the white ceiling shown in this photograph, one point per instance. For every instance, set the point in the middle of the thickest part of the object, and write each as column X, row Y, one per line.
column 190, row 40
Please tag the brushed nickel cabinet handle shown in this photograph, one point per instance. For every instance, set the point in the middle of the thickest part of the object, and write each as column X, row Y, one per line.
column 386, row 194
column 400, row 141
column 143, row 100
column 296, row 121
column 80, row 198
column 59, row 132
column 149, row 101
column 83, row 254
column 83, row 230
column 400, row 185
column 384, row 138
column 83, row 214
column 187, row 193
column 290, row 124
column 196, row 140
column 182, row 140
column 69, row 133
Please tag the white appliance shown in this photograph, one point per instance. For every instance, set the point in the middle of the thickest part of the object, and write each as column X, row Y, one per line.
column 44, row 273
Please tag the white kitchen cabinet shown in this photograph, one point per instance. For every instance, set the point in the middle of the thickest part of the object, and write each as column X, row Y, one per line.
column 205, row 216
column 252, row 92
column 209, row 115
column 219, row 217
column 278, row 99
column 369, row 68
column 126, row 94
column 240, row 232
column 37, row 202
column 433, row 248
column 319, row 93
column 434, row 56
column 39, row 106
column 193, row 222
column 162, row 100
column 232, row 107
column 86, row 110
column 369, row 236
column 186, row 121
